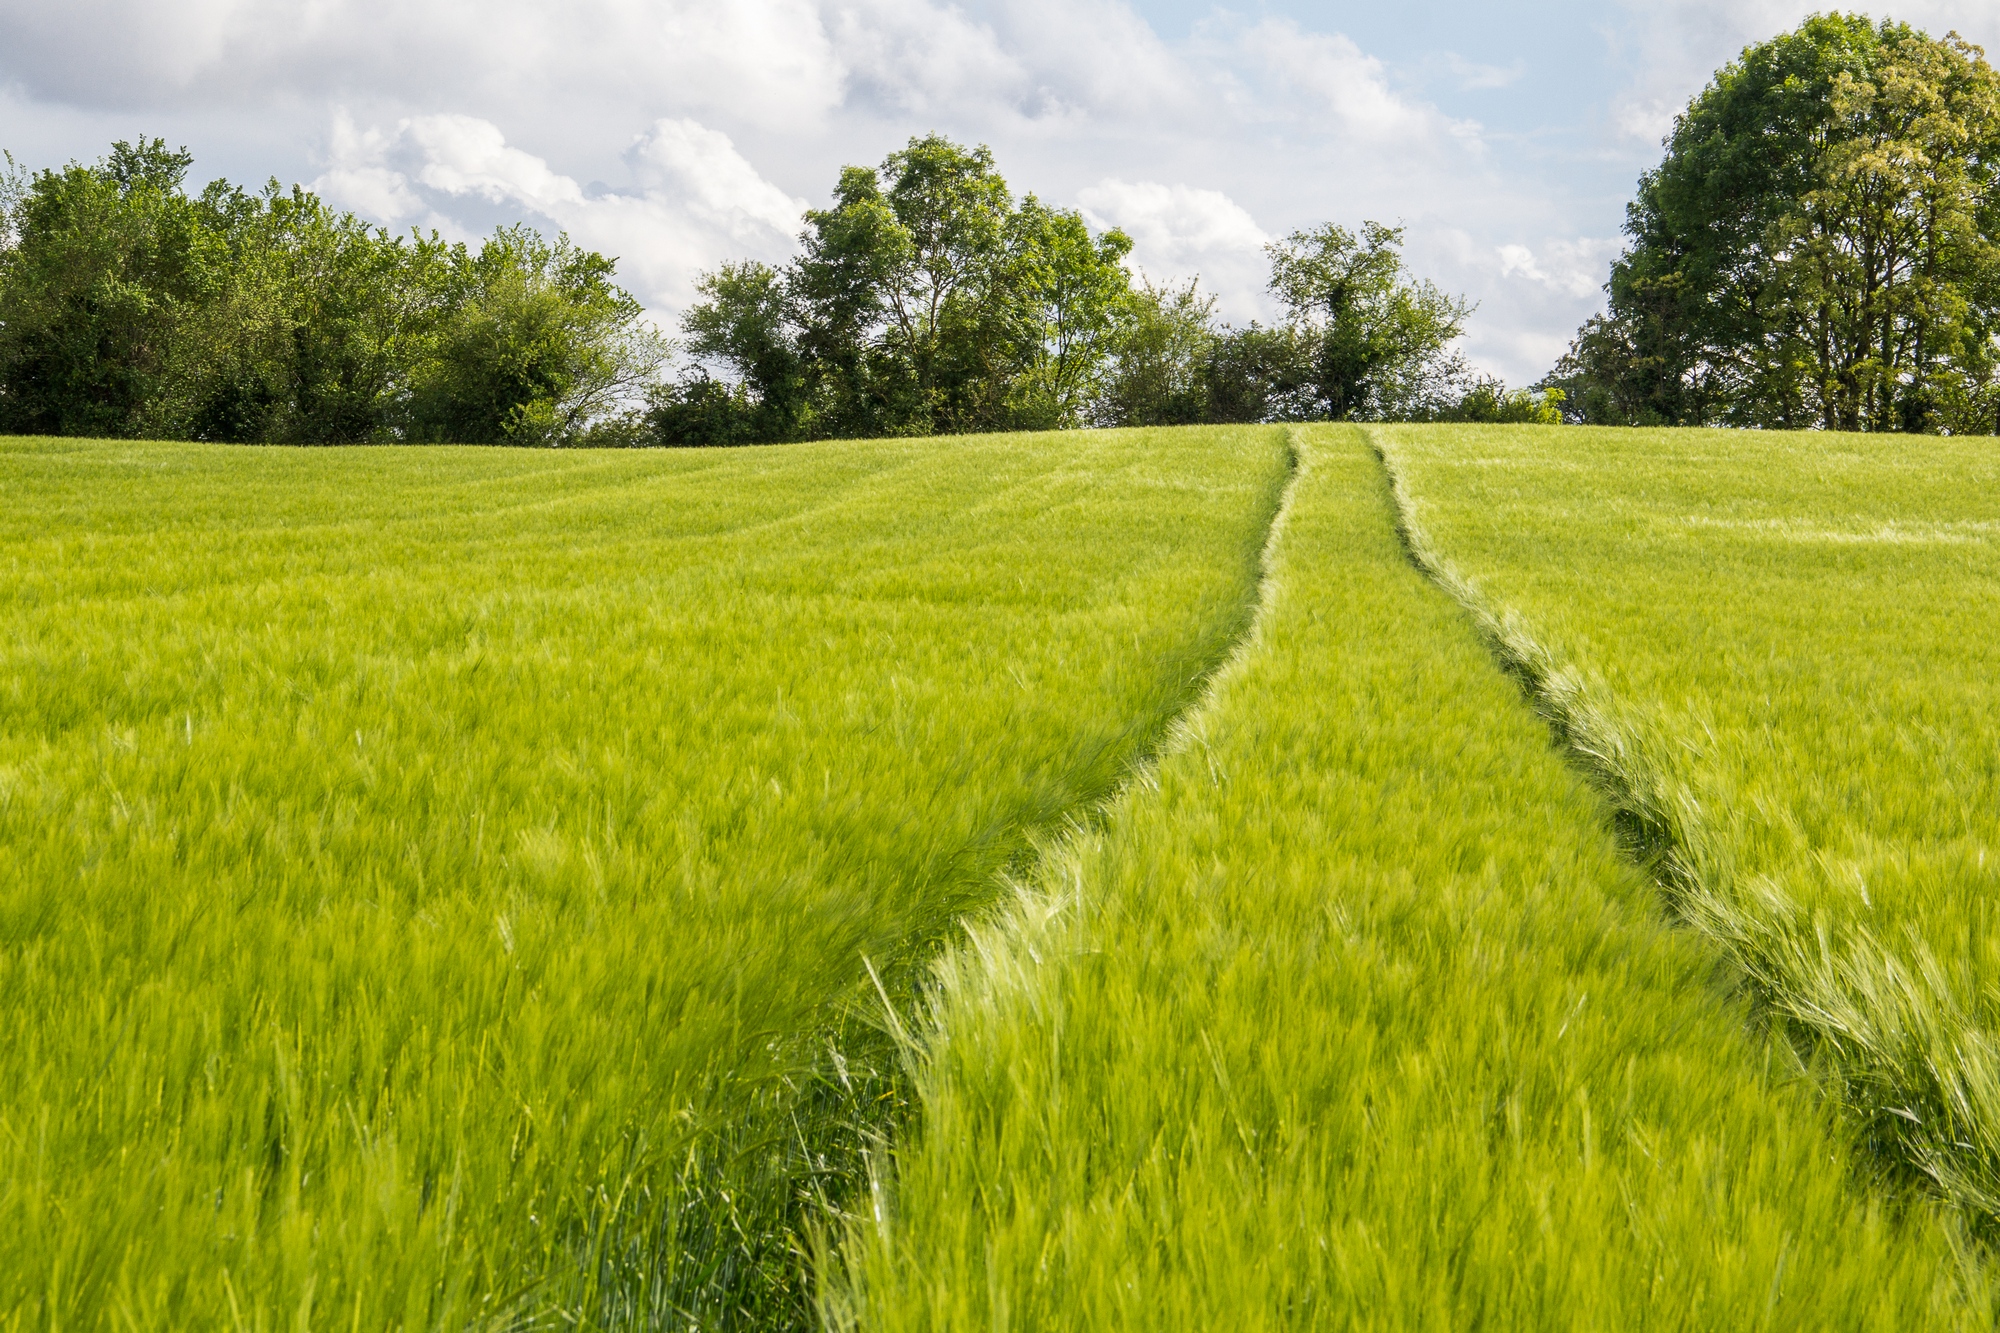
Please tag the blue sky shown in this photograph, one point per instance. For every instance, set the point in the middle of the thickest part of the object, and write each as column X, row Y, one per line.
column 1506, row 137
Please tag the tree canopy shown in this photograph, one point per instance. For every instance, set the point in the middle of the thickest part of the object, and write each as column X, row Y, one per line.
column 927, row 299
column 924, row 300
column 131, row 307
column 1817, row 248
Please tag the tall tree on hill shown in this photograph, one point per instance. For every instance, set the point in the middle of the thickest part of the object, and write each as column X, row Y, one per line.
column 1817, row 248
column 1067, row 297
column 104, row 264
column 540, row 342
column 1363, row 339
column 1161, row 352
column 924, row 300
column 1373, row 341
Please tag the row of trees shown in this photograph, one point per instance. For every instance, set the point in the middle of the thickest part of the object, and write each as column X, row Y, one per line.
column 129, row 307
column 928, row 300
column 925, row 299
column 1820, row 246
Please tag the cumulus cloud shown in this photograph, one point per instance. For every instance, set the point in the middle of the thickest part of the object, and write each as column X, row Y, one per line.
column 1172, row 224
column 358, row 177
column 1346, row 86
column 702, row 168
column 769, row 62
column 915, row 57
column 694, row 200
column 1182, row 231
column 1572, row 267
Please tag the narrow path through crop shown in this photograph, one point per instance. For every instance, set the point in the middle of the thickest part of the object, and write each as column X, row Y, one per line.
column 887, row 1037
column 1350, row 1014
column 427, row 925
column 1888, row 1010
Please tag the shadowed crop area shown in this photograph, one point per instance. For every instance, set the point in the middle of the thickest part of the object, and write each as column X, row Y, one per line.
column 439, row 888
column 1778, row 651
column 1355, row 1015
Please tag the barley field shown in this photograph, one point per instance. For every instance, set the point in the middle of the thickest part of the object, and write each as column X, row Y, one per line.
column 441, row 888
column 1779, row 652
column 1270, row 877
column 1354, row 1015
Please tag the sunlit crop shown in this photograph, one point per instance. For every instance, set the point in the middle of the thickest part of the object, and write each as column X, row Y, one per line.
column 1779, row 652
column 439, row 888
column 1356, row 1015
column 1265, row 878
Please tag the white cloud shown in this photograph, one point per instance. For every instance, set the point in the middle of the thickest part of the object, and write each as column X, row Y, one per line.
column 695, row 200
column 1175, row 224
column 768, row 62
column 463, row 155
column 919, row 58
column 1180, row 231
column 701, row 167
column 358, row 178
column 1573, row 267
column 1347, row 86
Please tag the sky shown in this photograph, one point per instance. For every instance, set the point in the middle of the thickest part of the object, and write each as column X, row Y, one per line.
column 1505, row 136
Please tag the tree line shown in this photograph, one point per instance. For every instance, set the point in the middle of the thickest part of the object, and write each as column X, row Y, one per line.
column 1819, row 247
column 927, row 299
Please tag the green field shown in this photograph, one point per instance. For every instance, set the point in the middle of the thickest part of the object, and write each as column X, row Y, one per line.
column 1355, row 1017
column 1782, row 650
column 437, row 884
column 1268, row 877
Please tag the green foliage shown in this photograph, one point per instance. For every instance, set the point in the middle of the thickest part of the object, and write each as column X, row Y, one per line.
column 1491, row 402
column 702, row 412
column 925, row 300
column 1369, row 342
column 308, row 328
column 1770, row 644
column 1818, row 247
column 1252, row 372
column 1353, row 1016
column 539, row 344
column 101, row 264
column 1069, row 296
column 438, row 888
column 129, row 307
column 743, row 320
column 1160, row 358
column 1363, row 340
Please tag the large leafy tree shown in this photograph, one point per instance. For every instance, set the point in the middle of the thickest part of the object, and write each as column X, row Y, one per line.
column 1363, row 339
column 540, row 342
column 1066, row 296
column 103, row 267
column 1816, row 248
column 1162, row 351
column 925, row 299
column 131, row 307
column 1372, row 341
